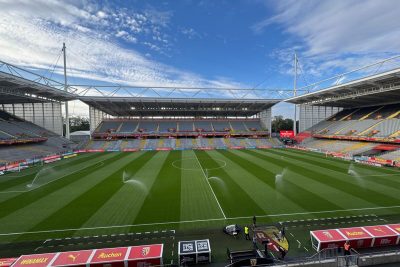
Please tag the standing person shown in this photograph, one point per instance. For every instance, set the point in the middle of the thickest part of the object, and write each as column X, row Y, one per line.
column 254, row 242
column 283, row 236
column 347, row 248
column 266, row 248
column 347, row 252
column 254, row 221
column 246, row 232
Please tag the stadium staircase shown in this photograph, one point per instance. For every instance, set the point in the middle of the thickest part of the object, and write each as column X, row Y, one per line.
column 396, row 134
column 124, row 144
column 119, row 127
column 160, row 143
column 227, row 142
column 178, row 143
column 349, row 115
column 370, row 128
column 142, row 143
column 211, row 142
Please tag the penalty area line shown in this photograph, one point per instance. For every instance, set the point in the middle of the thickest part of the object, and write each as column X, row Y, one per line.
column 191, row 221
column 205, row 176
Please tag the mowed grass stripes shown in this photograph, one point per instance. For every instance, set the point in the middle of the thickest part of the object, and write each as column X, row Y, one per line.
column 145, row 188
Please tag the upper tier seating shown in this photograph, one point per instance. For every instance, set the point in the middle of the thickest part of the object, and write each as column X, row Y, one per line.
column 238, row 126
column 221, row 126
column 128, row 127
column 377, row 121
column 167, row 126
column 253, row 125
column 107, row 126
column 205, row 126
column 148, row 126
column 185, row 126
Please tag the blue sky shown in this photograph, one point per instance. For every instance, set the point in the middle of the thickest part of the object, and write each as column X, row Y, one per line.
column 240, row 43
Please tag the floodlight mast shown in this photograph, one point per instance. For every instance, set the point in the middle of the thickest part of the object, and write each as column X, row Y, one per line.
column 66, row 89
column 295, row 94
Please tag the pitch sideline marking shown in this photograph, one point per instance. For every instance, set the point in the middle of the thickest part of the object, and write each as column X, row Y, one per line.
column 205, row 176
column 193, row 221
column 24, row 191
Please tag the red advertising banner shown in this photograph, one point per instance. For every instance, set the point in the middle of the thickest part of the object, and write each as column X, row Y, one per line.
column 73, row 258
column 359, row 238
column 36, row 260
column 286, row 134
column 95, row 150
column 147, row 255
column 383, row 235
column 130, row 149
column 51, row 157
column 109, row 255
column 6, row 262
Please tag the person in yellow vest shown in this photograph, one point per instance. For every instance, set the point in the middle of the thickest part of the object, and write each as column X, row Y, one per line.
column 246, row 233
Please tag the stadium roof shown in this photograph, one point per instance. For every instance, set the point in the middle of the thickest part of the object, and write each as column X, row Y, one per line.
column 383, row 88
column 149, row 106
column 21, row 86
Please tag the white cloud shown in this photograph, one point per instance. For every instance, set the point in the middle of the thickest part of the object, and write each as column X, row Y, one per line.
column 335, row 36
column 32, row 33
column 349, row 26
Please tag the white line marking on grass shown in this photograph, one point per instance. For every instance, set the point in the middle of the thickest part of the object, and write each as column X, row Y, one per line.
column 33, row 188
column 205, row 176
column 193, row 169
column 192, row 221
column 178, row 222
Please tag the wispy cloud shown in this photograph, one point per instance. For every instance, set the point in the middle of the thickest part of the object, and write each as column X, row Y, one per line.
column 32, row 33
column 332, row 36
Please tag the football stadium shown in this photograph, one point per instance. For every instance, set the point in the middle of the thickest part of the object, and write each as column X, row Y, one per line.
column 186, row 175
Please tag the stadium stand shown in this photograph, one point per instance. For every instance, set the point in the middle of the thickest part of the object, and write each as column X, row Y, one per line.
column 238, row 126
column 128, row 127
column 108, row 126
column 392, row 155
column 376, row 121
column 21, row 139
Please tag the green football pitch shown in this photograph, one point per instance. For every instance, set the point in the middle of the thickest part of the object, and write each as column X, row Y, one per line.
column 192, row 194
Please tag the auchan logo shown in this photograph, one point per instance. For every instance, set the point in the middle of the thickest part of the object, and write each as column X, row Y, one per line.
column 109, row 255
column 355, row 233
column 34, row 261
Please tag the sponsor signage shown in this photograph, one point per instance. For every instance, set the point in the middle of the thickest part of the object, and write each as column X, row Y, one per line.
column 146, row 255
column 383, row 235
column 37, row 260
column 70, row 156
column 359, row 237
column 72, row 258
column 51, row 157
column 195, row 251
column 286, row 134
column 146, row 252
column 95, row 150
column 109, row 255
column 7, row 262
column 130, row 149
